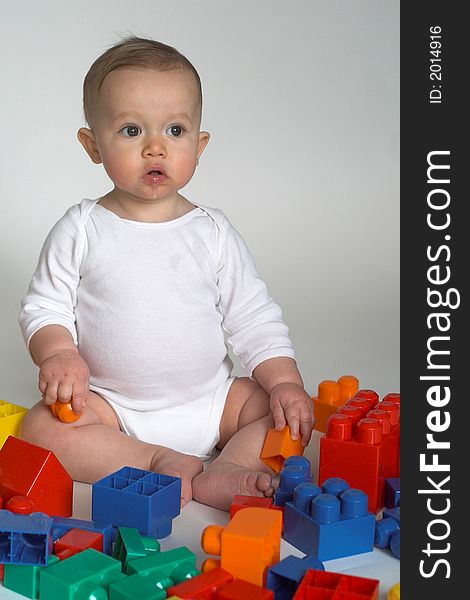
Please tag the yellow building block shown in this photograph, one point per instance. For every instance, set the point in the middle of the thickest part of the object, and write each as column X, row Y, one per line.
column 394, row 592
column 11, row 416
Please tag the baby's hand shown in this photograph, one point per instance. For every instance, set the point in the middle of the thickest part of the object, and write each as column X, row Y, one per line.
column 290, row 402
column 64, row 376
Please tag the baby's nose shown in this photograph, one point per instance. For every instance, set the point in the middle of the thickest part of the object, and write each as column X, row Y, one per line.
column 154, row 146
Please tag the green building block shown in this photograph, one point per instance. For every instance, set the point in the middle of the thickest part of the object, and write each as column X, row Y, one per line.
column 166, row 568
column 130, row 545
column 135, row 586
column 24, row 579
column 85, row 576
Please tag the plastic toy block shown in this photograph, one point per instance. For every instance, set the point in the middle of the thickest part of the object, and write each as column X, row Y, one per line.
column 323, row 585
column 240, row 502
column 328, row 526
column 135, row 586
column 25, row 539
column 202, row 587
column 165, row 569
column 87, row 575
column 363, row 450
column 11, row 416
column 387, row 531
column 20, row 505
column 394, row 592
column 295, row 472
column 278, row 446
column 24, row 579
column 61, row 526
column 64, row 412
column 130, row 545
column 32, row 471
column 248, row 545
column 392, row 513
column 77, row 540
column 331, row 395
column 284, row 578
column 241, row 590
column 392, row 492
column 136, row 498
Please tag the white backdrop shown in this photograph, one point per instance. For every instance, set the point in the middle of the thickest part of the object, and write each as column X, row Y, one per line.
column 302, row 101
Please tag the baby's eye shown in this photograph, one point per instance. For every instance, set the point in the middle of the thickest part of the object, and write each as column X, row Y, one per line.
column 131, row 130
column 175, row 130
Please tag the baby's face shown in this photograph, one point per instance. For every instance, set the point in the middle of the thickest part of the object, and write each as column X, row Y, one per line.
column 147, row 131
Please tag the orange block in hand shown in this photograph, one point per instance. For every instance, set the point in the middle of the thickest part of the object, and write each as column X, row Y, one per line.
column 278, row 446
column 64, row 412
column 331, row 396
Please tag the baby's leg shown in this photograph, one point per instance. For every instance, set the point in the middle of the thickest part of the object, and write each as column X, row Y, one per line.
column 238, row 469
column 94, row 446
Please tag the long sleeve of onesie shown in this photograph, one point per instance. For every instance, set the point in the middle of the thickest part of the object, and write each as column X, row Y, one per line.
column 52, row 293
column 147, row 303
column 252, row 319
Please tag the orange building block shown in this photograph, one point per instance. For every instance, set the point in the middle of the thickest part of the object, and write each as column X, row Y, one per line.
column 331, row 396
column 278, row 446
column 248, row 545
column 64, row 412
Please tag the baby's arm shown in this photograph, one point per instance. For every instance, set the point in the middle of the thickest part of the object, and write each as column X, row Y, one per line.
column 63, row 374
column 289, row 401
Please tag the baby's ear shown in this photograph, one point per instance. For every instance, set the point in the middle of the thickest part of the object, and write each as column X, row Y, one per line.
column 86, row 137
column 203, row 140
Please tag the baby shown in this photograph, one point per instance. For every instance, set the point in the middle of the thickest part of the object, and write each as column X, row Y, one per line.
column 126, row 312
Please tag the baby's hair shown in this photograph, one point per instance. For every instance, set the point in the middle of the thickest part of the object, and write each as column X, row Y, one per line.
column 132, row 52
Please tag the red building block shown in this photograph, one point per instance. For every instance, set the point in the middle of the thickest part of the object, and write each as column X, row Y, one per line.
column 278, row 446
column 201, row 587
column 240, row 502
column 362, row 446
column 242, row 590
column 32, row 471
column 75, row 541
column 323, row 585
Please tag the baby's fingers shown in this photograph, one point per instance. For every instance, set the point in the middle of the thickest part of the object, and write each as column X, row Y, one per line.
column 279, row 418
column 306, row 426
column 49, row 392
column 79, row 398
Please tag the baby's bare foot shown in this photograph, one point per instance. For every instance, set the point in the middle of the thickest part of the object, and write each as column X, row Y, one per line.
column 221, row 481
column 176, row 464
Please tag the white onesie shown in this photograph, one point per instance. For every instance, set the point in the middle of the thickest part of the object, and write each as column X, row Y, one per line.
column 147, row 304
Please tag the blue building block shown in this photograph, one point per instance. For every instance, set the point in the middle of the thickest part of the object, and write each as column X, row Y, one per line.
column 61, row 525
column 387, row 531
column 327, row 526
column 284, row 577
column 392, row 513
column 293, row 474
column 137, row 498
column 392, row 492
column 302, row 462
column 25, row 539
column 395, row 544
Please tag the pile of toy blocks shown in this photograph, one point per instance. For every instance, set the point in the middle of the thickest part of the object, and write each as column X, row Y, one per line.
column 46, row 554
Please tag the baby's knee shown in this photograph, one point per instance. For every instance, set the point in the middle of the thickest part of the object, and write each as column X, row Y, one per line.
column 40, row 427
